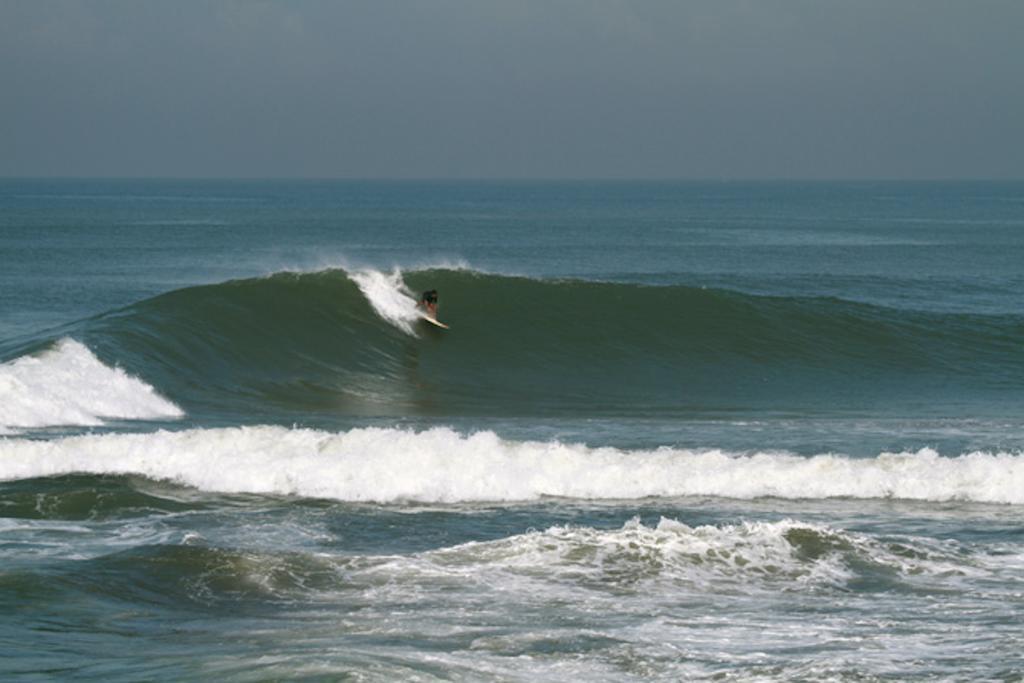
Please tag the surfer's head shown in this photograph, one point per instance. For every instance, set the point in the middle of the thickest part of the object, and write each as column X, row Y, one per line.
column 429, row 297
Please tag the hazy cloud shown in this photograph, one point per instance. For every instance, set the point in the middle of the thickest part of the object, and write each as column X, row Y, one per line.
column 552, row 88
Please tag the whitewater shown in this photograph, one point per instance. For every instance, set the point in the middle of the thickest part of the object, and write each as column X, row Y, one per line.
column 68, row 385
column 442, row 466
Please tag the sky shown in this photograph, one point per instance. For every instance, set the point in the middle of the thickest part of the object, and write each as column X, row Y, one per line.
column 644, row 89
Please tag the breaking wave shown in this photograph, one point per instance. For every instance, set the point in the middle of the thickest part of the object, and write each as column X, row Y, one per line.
column 442, row 466
column 292, row 345
column 68, row 385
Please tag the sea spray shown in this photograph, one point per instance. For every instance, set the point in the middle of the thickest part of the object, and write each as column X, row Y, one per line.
column 389, row 296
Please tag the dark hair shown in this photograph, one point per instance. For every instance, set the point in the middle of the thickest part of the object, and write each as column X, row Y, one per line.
column 429, row 296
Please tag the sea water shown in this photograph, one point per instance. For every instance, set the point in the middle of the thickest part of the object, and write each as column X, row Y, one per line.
column 677, row 431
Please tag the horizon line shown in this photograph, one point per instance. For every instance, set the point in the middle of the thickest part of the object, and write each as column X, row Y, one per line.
column 521, row 179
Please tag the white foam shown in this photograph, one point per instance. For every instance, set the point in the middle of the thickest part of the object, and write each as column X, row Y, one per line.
column 788, row 552
column 701, row 556
column 68, row 385
column 440, row 465
column 389, row 297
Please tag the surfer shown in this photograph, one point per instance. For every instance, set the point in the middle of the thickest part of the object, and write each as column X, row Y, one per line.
column 429, row 302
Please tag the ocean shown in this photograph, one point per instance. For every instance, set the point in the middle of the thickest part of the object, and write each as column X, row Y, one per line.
column 730, row 431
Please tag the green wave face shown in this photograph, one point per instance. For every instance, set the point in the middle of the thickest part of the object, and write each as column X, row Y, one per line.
column 315, row 344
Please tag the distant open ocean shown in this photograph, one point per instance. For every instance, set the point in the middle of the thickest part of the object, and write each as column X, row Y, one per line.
column 677, row 431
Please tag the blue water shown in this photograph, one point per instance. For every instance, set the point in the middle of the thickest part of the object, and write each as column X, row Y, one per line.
column 731, row 431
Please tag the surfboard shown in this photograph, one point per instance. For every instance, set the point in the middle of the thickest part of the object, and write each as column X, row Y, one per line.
column 435, row 321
